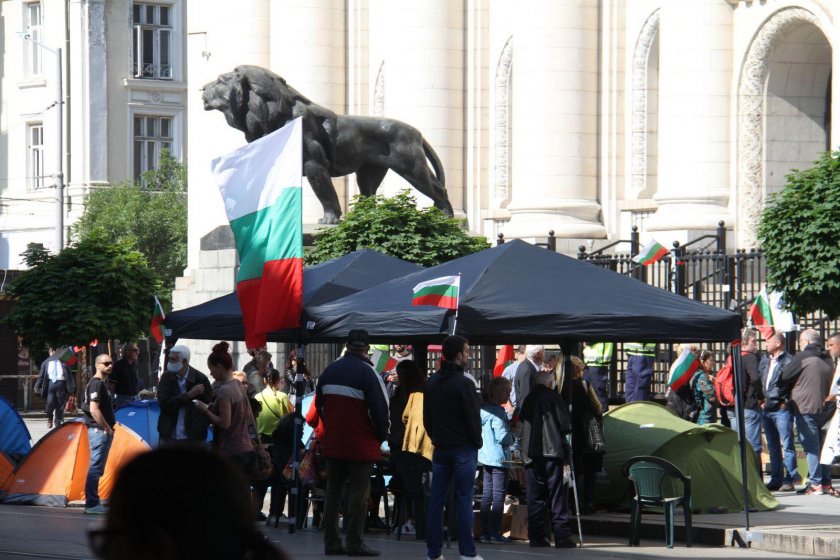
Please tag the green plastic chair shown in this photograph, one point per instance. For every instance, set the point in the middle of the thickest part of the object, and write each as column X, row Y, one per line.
column 646, row 475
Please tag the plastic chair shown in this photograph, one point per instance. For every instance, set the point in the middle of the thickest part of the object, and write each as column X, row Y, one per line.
column 647, row 474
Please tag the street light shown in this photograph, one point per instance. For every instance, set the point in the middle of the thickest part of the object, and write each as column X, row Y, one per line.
column 59, row 176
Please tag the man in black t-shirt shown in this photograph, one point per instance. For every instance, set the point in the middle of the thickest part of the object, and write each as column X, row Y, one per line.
column 99, row 417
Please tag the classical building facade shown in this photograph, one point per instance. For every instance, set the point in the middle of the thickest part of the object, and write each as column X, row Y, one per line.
column 123, row 99
column 584, row 117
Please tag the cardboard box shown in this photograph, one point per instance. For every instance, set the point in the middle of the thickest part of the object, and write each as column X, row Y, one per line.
column 518, row 522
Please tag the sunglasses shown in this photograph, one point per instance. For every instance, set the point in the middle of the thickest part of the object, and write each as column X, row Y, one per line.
column 106, row 363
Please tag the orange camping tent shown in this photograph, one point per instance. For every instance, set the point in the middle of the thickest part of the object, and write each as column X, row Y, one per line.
column 7, row 466
column 54, row 472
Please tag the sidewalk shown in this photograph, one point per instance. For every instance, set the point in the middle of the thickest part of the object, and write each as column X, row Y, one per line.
column 802, row 525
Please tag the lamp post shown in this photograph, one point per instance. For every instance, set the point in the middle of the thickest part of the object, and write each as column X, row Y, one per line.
column 59, row 175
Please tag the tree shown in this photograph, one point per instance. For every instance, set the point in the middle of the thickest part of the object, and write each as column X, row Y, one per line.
column 150, row 215
column 800, row 235
column 94, row 289
column 395, row 226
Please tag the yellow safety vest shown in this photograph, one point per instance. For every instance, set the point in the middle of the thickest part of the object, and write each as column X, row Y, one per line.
column 640, row 348
column 598, row 354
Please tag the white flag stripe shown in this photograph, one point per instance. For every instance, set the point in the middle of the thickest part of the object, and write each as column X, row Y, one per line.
column 251, row 177
column 448, row 280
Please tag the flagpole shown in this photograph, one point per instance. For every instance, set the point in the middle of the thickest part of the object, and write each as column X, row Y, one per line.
column 457, row 305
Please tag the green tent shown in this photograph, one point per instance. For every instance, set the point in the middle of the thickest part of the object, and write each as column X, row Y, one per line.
column 708, row 454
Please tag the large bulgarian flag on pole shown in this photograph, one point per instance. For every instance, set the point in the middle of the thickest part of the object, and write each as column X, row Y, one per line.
column 683, row 369
column 650, row 253
column 440, row 292
column 261, row 187
column 768, row 315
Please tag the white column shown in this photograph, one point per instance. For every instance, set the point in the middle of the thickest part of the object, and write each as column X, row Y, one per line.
column 422, row 46
column 695, row 77
column 309, row 52
column 88, row 91
column 219, row 39
column 555, row 131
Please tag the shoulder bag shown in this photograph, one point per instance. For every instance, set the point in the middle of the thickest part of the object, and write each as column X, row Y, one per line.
column 595, row 442
column 259, row 464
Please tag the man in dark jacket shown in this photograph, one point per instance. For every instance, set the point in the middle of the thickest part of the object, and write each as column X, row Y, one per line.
column 526, row 372
column 777, row 419
column 353, row 408
column 179, row 385
column 127, row 376
column 808, row 375
column 54, row 384
column 545, row 422
column 452, row 418
column 753, row 393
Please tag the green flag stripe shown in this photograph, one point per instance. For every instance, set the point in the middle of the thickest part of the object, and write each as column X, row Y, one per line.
column 439, row 290
column 272, row 233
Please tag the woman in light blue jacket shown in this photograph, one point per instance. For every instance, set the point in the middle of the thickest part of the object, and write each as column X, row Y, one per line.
column 497, row 440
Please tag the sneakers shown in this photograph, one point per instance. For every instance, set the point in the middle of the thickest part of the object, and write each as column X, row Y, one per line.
column 774, row 486
column 787, row 487
column 96, row 510
column 500, row 540
column 408, row 528
column 476, row 557
column 829, row 489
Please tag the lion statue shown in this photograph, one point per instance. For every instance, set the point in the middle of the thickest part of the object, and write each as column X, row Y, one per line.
column 258, row 102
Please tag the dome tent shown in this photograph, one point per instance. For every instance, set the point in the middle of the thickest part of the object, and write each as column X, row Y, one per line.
column 708, row 454
column 14, row 435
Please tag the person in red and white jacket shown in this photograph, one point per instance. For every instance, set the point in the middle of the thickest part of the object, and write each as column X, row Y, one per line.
column 353, row 406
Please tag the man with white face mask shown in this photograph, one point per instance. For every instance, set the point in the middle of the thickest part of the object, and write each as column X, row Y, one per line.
column 179, row 385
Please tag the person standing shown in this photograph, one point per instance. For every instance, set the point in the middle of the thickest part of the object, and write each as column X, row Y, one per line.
column 54, row 383
column 527, row 371
column 777, row 419
column 100, row 421
column 127, row 376
column 703, row 388
column 545, row 452
column 452, row 419
column 753, row 392
column 639, row 373
column 497, row 440
column 808, row 375
column 598, row 358
column 509, row 372
column 179, row 385
column 256, row 369
column 353, row 408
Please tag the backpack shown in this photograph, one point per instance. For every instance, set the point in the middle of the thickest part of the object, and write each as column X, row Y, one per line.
column 725, row 385
column 683, row 403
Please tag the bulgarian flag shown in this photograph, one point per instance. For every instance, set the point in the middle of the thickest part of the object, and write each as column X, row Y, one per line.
column 67, row 356
column 650, row 253
column 682, row 370
column 382, row 361
column 156, row 328
column 504, row 358
column 767, row 314
column 441, row 292
column 261, row 187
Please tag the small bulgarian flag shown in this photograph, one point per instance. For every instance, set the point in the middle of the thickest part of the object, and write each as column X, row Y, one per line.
column 382, row 361
column 156, row 328
column 261, row 188
column 767, row 314
column 650, row 253
column 682, row 370
column 67, row 356
column 504, row 359
column 441, row 292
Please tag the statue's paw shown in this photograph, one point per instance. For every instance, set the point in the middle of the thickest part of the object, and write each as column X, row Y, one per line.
column 329, row 218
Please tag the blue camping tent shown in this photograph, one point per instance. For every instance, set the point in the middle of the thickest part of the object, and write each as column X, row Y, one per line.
column 142, row 417
column 14, row 435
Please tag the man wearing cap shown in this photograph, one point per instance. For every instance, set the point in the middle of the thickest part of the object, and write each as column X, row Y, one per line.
column 353, row 407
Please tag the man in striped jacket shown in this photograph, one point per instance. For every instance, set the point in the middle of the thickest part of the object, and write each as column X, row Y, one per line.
column 353, row 407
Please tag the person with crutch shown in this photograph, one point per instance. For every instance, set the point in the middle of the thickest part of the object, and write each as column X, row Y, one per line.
column 545, row 452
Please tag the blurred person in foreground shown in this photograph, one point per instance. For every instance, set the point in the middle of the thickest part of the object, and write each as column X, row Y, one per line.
column 206, row 513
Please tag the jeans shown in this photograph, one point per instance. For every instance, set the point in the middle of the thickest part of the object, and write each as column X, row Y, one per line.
column 544, row 489
column 493, row 501
column 638, row 378
column 450, row 463
column 752, row 430
column 100, row 445
column 356, row 474
column 778, row 430
column 808, row 426
column 56, row 399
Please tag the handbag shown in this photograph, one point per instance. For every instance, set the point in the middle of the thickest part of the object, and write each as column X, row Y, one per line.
column 259, row 464
column 71, row 404
column 595, row 442
column 307, row 472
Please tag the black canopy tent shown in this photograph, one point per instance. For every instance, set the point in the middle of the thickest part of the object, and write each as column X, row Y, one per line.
column 520, row 293
column 221, row 318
